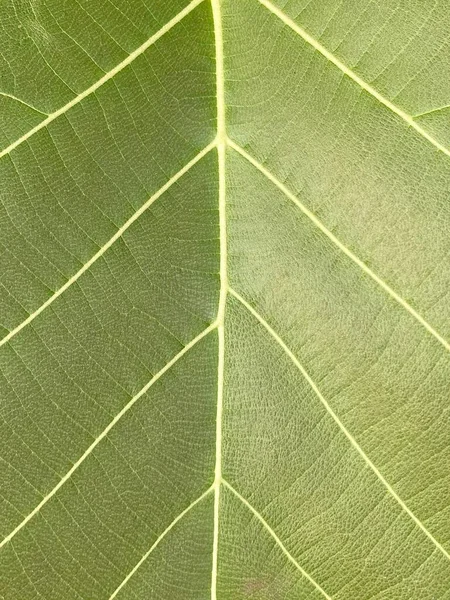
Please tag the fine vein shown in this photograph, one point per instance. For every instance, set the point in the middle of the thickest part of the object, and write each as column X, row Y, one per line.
column 368, row 88
column 160, row 538
column 129, row 59
column 221, row 149
column 105, row 432
column 342, row 427
column 431, row 111
column 108, row 244
column 340, row 245
column 12, row 97
column 276, row 538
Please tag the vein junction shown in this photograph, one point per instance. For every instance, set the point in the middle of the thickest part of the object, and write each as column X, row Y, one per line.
column 90, row 90
column 105, row 432
column 409, row 120
column 221, row 143
column 339, row 423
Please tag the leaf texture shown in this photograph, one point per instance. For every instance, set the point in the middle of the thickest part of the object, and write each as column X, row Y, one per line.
column 224, row 300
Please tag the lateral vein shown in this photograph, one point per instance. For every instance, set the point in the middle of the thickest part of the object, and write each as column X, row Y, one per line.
column 352, row 75
column 340, row 245
column 12, row 97
column 129, row 59
column 276, row 538
column 431, row 111
column 109, row 243
column 105, row 432
column 160, row 538
column 335, row 417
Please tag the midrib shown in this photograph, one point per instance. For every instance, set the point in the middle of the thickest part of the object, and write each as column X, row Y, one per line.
column 221, row 143
column 221, row 153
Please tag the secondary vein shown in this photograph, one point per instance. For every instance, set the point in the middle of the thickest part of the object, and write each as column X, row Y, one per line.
column 12, row 97
column 159, row 539
column 105, row 432
column 352, row 75
column 129, row 59
column 276, row 538
column 340, row 245
column 109, row 243
column 335, row 417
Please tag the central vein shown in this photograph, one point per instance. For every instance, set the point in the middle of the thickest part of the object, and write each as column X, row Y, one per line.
column 221, row 150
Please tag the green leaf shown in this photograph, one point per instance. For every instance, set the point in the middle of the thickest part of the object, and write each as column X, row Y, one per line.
column 224, row 300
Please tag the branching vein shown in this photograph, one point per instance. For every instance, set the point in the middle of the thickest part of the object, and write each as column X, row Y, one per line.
column 349, row 73
column 105, row 432
column 221, row 142
column 276, row 538
column 340, row 245
column 12, row 97
column 335, row 417
column 129, row 59
column 108, row 244
column 160, row 538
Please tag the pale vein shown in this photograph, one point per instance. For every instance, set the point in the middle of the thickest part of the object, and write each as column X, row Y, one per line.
column 129, row 59
column 108, row 244
column 340, row 245
column 341, row 426
column 160, row 538
column 276, row 538
column 221, row 143
column 12, row 97
column 368, row 88
column 221, row 149
column 105, row 432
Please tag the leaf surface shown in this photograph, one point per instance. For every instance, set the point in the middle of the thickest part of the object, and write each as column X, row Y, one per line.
column 224, row 300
